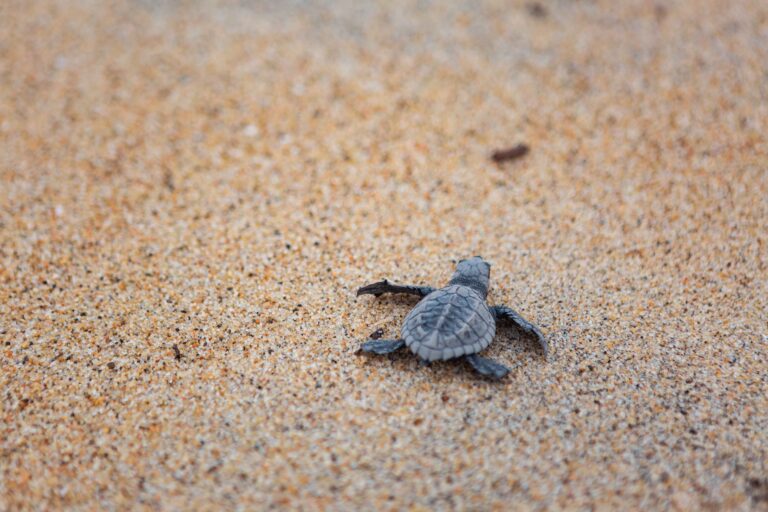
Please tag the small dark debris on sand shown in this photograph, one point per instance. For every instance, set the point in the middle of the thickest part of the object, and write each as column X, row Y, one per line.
column 758, row 489
column 513, row 153
column 168, row 180
column 378, row 333
column 176, row 352
column 536, row 10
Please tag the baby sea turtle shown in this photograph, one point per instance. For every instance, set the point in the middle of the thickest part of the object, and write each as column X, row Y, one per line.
column 454, row 321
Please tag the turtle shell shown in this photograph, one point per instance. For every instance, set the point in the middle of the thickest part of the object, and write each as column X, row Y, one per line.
column 450, row 322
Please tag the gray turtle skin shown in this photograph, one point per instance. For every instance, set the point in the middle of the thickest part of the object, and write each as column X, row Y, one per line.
column 454, row 321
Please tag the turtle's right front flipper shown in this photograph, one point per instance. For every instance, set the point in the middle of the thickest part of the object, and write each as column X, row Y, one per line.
column 501, row 312
column 387, row 287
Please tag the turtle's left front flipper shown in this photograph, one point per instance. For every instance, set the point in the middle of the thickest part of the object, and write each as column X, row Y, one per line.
column 387, row 287
column 505, row 313
column 382, row 346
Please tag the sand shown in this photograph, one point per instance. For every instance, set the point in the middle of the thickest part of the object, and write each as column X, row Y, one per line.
column 192, row 192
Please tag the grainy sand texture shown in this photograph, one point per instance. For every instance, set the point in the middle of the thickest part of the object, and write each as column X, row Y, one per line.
column 191, row 192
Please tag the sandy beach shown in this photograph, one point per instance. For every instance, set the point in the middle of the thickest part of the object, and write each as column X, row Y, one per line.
column 191, row 193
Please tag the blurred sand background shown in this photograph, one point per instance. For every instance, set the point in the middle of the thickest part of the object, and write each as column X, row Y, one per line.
column 221, row 176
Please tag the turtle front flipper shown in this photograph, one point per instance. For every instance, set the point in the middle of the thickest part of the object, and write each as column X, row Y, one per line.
column 382, row 346
column 487, row 367
column 387, row 287
column 505, row 313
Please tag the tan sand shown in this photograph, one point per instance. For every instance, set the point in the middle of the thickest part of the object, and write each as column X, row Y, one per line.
column 220, row 177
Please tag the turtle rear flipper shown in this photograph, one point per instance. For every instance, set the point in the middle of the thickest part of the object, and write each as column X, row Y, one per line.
column 487, row 367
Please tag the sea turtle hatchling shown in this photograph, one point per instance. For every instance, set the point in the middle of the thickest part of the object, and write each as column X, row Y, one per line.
column 452, row 322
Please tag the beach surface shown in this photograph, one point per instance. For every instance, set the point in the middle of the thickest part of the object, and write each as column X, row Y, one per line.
column 191, row 193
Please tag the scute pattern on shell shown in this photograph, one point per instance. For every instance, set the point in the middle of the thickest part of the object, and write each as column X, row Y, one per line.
column 448, row 323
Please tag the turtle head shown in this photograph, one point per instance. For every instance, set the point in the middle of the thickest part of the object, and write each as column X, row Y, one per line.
column 474, row 273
